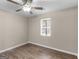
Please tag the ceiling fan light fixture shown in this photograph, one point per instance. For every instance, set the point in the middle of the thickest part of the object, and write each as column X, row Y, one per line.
column 27, row 8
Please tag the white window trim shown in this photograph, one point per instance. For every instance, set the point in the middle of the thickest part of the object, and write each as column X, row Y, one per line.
column 47, row 28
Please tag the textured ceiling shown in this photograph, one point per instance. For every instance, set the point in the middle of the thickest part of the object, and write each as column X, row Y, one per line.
column 48, row 5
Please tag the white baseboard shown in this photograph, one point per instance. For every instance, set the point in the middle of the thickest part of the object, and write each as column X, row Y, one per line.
column 12, row 47
column 38, row 45
column 55, row 49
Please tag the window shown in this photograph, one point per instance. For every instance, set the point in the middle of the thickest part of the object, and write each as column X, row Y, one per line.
column 45, row 27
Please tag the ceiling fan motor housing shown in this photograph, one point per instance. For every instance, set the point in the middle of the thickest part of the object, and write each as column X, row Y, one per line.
column 27, row 1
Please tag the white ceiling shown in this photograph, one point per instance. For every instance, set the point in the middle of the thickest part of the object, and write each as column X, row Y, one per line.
column 48, row 5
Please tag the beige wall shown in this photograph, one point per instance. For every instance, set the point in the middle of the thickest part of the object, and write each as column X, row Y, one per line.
column 64, row 30
column 13, row 30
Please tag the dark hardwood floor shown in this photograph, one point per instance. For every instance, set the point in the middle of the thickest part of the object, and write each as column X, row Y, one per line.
column 30, row 51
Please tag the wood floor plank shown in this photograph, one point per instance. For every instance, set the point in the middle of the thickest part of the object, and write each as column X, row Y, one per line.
column 31, row 51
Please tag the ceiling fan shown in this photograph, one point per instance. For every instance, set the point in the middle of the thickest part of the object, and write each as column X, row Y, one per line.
column 26, row 5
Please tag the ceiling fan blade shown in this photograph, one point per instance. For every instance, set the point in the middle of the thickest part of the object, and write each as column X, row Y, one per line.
column 38, row 8
column 18, row 10
column 14, row 2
